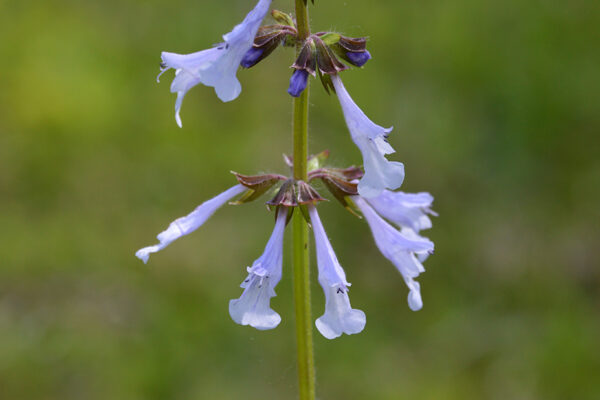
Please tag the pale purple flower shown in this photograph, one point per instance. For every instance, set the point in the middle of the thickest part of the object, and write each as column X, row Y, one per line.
column 339, row 315
column 215, row 67
column 371, row 140
column 404, row 248
column 253, row 307
column 408, row 210
column 185, row 225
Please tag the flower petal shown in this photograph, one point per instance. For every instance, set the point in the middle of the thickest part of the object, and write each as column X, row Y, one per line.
column 185, row 225
column 404, row 209
column 339, row 315
column 252, row 308
column 371, row 140
column 358, row 123
column 400, row 247
column 379, row 172
column 415, row 302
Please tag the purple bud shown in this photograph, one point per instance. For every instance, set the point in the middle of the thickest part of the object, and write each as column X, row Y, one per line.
column 358, row 59
column 298, row 82
column 251, row 57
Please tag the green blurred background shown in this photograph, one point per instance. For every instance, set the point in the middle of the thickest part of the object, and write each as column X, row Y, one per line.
column 496, row 110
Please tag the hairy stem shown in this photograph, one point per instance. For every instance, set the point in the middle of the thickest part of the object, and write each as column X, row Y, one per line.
column 306, row 367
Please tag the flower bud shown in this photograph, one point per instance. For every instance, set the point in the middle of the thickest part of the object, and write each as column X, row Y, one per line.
column 267, row 39
column 352, row 50
column 358, row 59
column 282, row 18
column 298, row 82
column 252, row 57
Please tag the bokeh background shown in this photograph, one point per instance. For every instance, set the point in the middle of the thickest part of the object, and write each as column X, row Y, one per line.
column 496, row 110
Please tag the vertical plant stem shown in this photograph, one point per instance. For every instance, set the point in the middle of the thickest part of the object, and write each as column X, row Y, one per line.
column 306, row 367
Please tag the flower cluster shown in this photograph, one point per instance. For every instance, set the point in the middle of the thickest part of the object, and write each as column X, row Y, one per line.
column 395, row 218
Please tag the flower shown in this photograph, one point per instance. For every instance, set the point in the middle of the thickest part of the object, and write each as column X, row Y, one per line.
column 252, row 308
column 371, row 141
column 339, row 316
column 184, row 225
column 404, row 248
column 215, row 67
column 405, row 209
column 298, row 82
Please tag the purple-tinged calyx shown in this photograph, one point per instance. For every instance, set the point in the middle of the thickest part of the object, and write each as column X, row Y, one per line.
column 298, row 82
column 293, row 193
column 267, row 39
column 351, row 50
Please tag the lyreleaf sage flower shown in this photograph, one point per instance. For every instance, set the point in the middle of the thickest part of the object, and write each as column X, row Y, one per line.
column 185, row 225
column 371, row 139
column 215, row 67
column 404, row 248
column 409, row 210
column 253, row 307
column 339, row 315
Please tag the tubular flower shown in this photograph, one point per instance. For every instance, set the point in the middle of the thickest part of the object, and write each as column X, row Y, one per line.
column 404, row 248
column 339, row 316
column 371, row 139
column 252, row 308
column 185, row 225
column 215, row 67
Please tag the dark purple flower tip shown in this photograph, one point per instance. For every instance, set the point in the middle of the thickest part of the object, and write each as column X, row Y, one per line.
column 251, row 57
column 358, row 59
column 298, row 82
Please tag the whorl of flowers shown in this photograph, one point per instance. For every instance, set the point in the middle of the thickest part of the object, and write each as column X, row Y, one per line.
column 395, row 218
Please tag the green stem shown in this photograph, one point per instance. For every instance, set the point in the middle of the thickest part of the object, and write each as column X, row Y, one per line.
column 306, row 364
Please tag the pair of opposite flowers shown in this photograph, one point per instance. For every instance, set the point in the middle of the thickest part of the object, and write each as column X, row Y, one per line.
column 398, row 240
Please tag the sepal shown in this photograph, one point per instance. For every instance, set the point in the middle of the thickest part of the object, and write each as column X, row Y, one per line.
column 294, row 193
column 286, row 196
column 282, row 18
column 307, row 59
column 257, row 185
column 326, row 59
column 329, row 38
column 267, row 39
column 306, row 194
column 315, row 161
column 352, row 50
column 341, row 183
column 356, row 45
